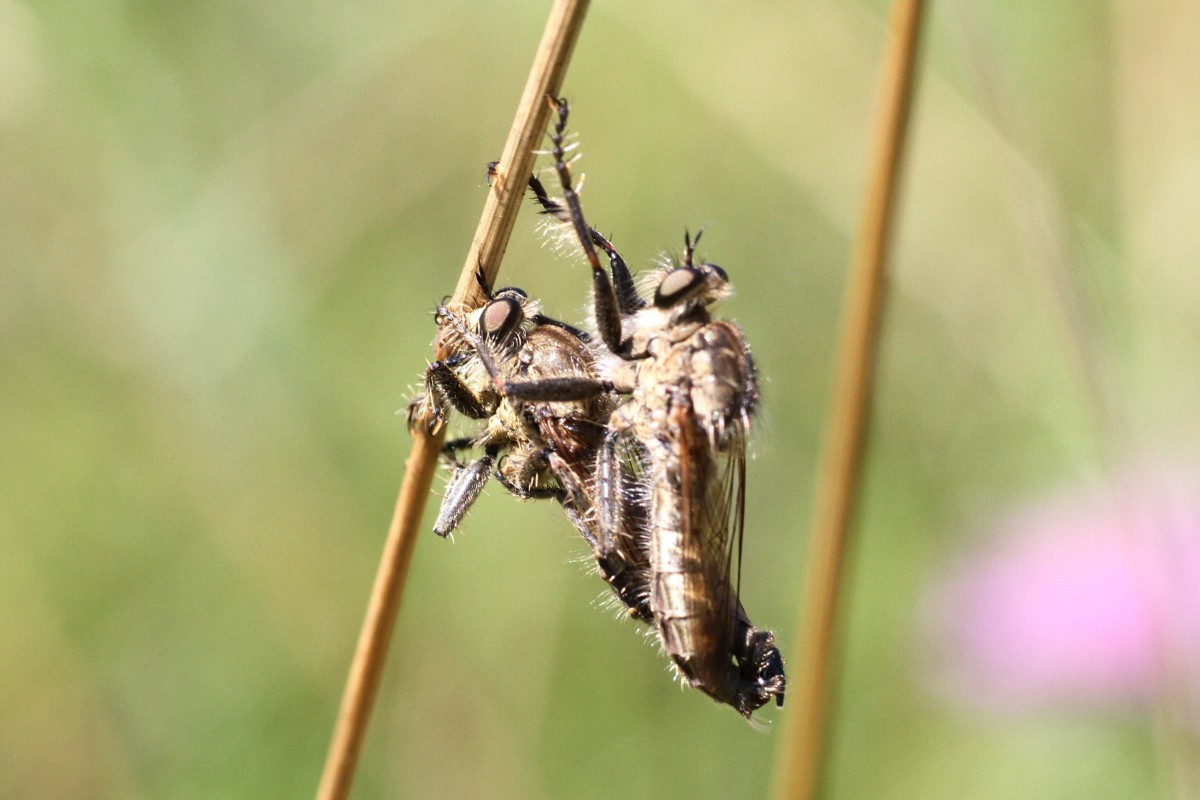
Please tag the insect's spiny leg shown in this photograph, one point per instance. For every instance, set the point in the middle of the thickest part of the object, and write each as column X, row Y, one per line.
column 628, row 299
column 450, row 450
column 549, row 205
column 564, row 175
column 627, row 296
column 607, row 309
column 482, row 281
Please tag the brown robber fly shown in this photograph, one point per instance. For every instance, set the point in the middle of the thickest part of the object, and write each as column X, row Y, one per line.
column 688, row 391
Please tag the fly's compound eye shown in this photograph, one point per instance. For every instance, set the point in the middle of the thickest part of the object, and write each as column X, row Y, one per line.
column 500, row 318
column 676, row 285
column 722, row 274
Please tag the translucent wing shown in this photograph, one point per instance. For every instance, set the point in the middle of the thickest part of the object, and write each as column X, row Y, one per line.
column 712, row 484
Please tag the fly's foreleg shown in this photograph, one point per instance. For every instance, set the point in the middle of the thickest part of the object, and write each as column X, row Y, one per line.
column 447, row 389
column 628, row 300
column 530, row 492
column 450, row 451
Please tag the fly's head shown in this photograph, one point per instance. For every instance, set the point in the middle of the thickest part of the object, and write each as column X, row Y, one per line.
column 470, row 342
column 686, row 290
column 503, row 322
column 691, row 285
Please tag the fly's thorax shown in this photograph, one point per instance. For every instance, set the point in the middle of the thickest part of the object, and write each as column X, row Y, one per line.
column 724, row 390
column 653, row 330
column 646, row 416
column 709, row 373
column 551, row 351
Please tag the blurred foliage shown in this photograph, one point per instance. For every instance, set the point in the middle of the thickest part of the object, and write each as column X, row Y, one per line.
column 224, row 226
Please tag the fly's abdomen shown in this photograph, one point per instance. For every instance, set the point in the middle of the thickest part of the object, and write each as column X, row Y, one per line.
column 682, row 601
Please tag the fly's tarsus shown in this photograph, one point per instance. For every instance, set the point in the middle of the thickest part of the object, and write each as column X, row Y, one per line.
column 607, row 309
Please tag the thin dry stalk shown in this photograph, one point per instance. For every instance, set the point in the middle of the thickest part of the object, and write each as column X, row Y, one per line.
column 801, row 755
column 487, row 249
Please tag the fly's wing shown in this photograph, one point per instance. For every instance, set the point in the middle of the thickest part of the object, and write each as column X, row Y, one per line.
column 713, row 425
column 746, row 670
column 713, row 512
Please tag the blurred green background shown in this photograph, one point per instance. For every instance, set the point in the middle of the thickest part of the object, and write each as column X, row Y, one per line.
column 224, row 226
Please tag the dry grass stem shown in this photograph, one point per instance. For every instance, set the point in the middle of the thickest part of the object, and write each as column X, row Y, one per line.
column 799, row 766
column 487, row 249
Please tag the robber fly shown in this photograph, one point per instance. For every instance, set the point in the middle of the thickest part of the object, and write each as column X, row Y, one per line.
column 681, row 435
column 531, row 380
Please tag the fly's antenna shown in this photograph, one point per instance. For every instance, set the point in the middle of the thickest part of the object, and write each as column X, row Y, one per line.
column 689, row 245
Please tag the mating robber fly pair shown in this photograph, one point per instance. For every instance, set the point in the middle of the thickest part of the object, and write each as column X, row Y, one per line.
column 637, row 430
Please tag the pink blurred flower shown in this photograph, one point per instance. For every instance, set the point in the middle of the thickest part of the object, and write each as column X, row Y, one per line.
column 1083, row 601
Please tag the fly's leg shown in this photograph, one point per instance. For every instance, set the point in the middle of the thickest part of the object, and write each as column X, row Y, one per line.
column 611, row 493
column 542, row 319
column 628, row 299
column 430, row 408
column 421, row 412
column 462, row 490
column 530, row 493
column 450, row 450
column 551, row 390
column 448, row 390
column 607, row 309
